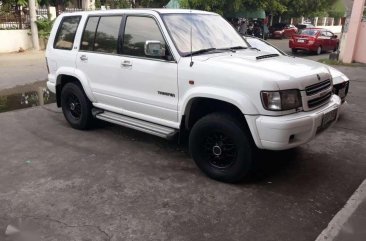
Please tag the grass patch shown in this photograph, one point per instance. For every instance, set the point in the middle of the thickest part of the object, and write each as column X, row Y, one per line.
column 337, row 62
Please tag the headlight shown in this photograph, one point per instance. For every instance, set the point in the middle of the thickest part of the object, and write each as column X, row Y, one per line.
column 281, row 100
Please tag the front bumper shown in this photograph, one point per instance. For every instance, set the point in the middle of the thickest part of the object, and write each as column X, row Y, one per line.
column 341, row 90
column 289, row 131
column 51, row 83
column 277, row 34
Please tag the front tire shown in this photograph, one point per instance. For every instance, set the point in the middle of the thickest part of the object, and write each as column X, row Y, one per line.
column 221, row 147
column 76, row 106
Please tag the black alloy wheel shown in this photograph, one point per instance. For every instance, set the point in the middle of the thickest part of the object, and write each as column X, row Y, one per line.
column 76, row 106
column 222, row 147
column 73, row 106
column 220, row 150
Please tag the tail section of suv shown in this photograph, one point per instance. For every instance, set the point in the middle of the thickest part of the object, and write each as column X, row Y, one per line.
column 169, row 71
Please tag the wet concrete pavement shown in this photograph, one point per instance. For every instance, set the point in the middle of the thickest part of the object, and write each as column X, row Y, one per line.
column 113, row 183
column 22, row 68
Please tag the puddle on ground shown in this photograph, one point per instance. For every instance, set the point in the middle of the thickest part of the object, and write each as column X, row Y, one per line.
column 25, row 96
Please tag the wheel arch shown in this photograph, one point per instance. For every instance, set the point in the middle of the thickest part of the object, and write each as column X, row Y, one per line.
column 236, row 99
column 198, row 107
column 67, row 76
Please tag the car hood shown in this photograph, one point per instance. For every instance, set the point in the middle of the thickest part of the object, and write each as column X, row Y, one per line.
column 288, row 72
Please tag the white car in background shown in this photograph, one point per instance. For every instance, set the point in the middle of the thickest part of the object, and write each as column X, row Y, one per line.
column 340, row 80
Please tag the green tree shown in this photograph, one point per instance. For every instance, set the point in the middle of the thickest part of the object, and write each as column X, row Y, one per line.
column 294, row 8
column 152, row 3
column 223, row 6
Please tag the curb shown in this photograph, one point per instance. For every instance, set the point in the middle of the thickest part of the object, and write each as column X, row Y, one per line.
column 336, row 224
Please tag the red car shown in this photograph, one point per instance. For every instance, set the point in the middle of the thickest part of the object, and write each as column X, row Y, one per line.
column 282, row 30
column 314, row 40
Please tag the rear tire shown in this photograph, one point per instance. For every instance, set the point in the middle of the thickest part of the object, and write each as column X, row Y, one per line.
column 76, row 106
column 319, row 50
column 221, row 147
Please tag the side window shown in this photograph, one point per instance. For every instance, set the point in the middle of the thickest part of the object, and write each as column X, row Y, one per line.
column 66, row 33
column 137, row 31
column 329, row 34
column 87, row 41
column 106, row 38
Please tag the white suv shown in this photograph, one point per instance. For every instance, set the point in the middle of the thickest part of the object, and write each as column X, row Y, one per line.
column 178, row 71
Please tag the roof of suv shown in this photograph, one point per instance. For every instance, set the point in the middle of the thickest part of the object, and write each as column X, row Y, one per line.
column 140, row 10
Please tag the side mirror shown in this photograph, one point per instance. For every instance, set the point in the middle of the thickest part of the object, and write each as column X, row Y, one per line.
column 335, row 36
column 154, row 48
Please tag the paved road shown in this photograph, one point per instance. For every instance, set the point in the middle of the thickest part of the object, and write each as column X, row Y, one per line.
column 112, row 183
column 22, row 68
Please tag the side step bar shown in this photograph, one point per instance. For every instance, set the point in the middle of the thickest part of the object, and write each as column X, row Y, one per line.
column 140, row 125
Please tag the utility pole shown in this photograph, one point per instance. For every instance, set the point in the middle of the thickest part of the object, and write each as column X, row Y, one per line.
column 33, row 25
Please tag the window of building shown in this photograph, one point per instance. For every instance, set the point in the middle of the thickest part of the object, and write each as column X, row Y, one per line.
column 106, row 38
column 87, row 41
column 138, row 30
column 66, row 33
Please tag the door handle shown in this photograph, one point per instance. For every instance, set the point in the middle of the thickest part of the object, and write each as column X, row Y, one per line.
column 126, row 64
column 83, row 58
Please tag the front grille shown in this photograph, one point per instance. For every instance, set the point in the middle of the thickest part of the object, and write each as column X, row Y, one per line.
column 319, row 101
column 316, row 88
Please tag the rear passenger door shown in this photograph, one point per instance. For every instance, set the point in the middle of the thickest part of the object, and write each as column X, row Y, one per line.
column 98, row 58
column 323, row 40
column 332, row 41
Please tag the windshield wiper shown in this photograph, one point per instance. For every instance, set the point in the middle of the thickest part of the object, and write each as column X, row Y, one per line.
column 234, row 48
column 255, row 48
column 238, row 47
column 201, row 51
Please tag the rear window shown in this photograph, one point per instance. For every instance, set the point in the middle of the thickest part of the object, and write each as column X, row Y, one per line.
column 310, row 32
column 66, row 33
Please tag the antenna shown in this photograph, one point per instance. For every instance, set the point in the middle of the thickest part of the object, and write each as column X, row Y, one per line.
column 191, row 64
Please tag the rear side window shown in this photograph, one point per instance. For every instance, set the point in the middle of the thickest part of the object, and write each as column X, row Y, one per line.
column 329, row 34
column 66, row 33
column 106, row 38
column 138, row 30
column 87, row 41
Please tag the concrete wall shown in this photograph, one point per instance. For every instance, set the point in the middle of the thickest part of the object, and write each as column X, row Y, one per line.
column 360, row 53
column 354, row 39
column 12, row 40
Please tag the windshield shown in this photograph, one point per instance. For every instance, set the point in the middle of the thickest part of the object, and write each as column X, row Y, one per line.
column 310, row 32
column 209, row 31
column 263, row 46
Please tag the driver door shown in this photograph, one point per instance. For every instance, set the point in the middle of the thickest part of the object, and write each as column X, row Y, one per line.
column 149, row 84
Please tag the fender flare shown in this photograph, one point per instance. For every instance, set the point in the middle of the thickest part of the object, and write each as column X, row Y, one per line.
column 78, row 75
column 236, row 98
